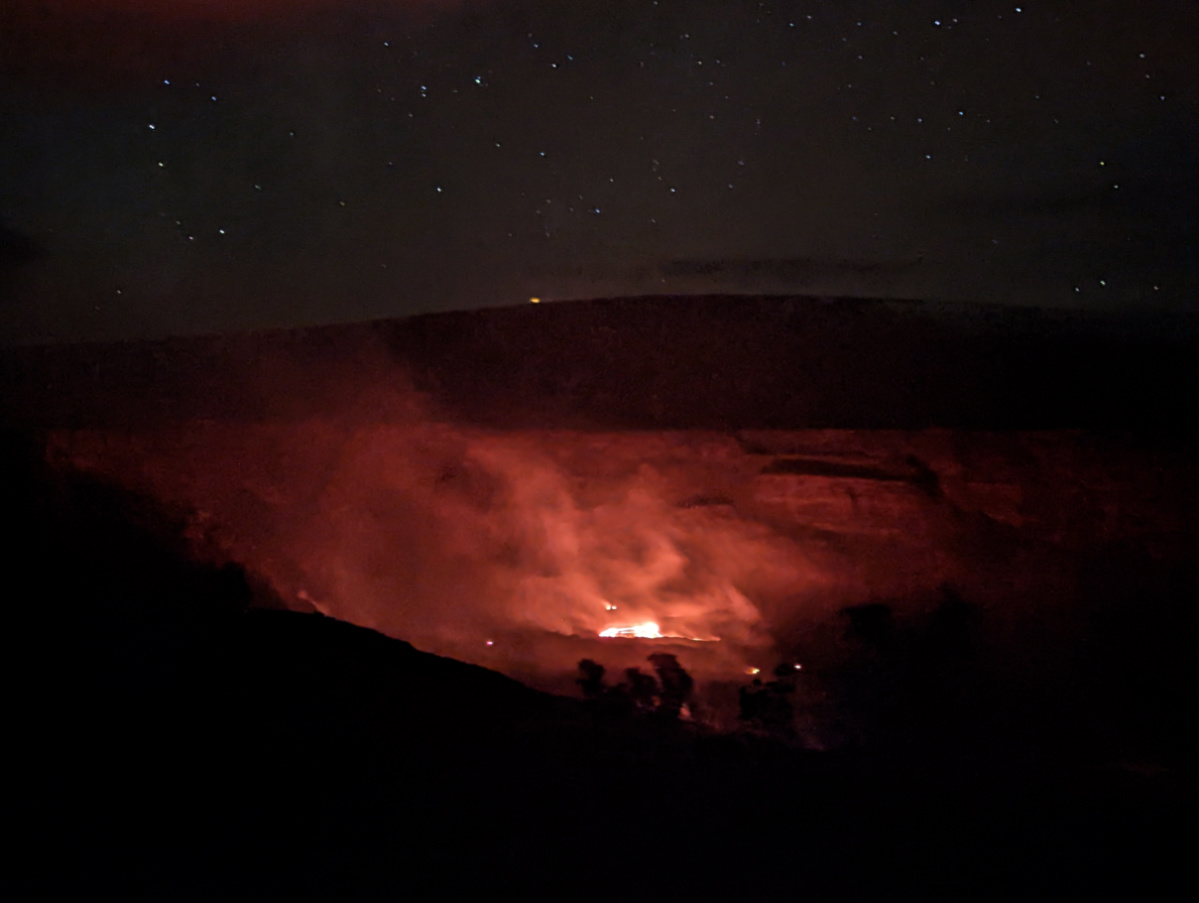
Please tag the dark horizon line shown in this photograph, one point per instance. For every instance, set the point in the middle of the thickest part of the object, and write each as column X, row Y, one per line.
column 1185, row 322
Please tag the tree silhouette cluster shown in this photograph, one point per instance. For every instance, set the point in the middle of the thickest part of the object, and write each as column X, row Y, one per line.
column 916, row 676
column 769, row 707
column 666, row 695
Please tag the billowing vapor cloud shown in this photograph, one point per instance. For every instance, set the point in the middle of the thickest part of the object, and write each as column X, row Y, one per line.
column 444, row 534
column 515, row 549
column 378, row 510
column 451, row 536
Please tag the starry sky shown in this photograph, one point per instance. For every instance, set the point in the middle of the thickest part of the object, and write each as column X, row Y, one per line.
column 196, row 166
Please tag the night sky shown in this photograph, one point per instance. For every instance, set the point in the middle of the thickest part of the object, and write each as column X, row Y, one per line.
column 181, row 167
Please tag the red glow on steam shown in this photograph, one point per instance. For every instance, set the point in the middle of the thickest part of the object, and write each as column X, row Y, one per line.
column 460, row 539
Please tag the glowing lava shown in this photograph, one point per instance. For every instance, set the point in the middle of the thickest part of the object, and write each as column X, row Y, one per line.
column 651, row 631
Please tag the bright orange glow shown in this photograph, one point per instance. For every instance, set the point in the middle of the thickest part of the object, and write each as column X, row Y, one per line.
column 651, row 631
column 455, row 538
column 497, row 547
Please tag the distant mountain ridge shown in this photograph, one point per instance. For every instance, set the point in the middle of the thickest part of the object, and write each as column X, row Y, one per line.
column 675, row 362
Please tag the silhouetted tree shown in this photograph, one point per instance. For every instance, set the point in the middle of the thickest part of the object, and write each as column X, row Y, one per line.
column 676, row 683
column 750, row 699
column 768, row 707
column 873, row 679
column 641, row 689
column 786, row 671
column 591, row 679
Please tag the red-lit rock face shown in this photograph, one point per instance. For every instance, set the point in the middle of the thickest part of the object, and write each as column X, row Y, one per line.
column 450, row 537
column 568, row 471
column 518, row 549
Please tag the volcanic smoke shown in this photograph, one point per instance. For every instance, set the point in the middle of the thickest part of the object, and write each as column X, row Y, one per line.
column 525, row 550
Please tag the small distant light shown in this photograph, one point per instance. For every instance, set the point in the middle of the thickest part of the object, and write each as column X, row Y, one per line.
column 153, row 126
column 753, row 670
column 534, row 300
column 799, row 667
column 490, row 643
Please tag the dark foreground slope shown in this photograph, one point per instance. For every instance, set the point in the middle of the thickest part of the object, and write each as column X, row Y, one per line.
column 171, row 745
